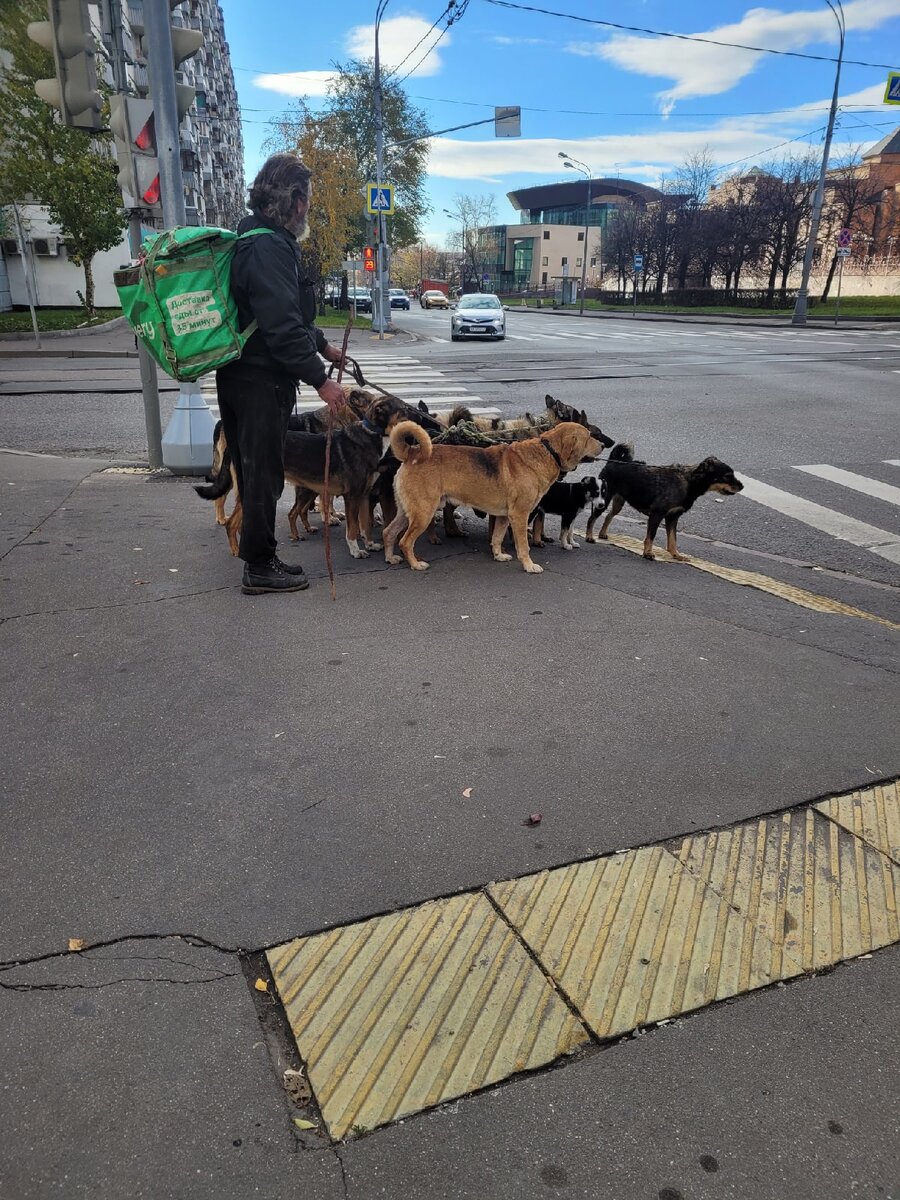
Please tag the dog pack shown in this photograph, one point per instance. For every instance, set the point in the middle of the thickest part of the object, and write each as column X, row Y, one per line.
column 178, row 299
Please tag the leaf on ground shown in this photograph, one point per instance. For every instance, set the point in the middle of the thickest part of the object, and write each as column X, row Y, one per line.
column 301, row 1124
column 467, row 792
column 296, row 1087
column 261, row 985
column 77, row 944
column 534, row 819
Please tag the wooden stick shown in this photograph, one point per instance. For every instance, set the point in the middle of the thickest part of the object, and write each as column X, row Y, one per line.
column 326, row 500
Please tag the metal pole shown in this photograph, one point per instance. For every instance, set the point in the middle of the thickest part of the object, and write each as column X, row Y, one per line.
column 383, row 317
column 20, row 237
column 634, row 279
column 161, row 64
column 149, row 388
column 837, row 307
column 801, row 304
column 585, row 250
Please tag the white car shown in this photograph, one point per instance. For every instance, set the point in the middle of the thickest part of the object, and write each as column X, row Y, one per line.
column 479, row 314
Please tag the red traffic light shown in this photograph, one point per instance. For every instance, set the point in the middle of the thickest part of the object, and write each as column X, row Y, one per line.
column 369, row 258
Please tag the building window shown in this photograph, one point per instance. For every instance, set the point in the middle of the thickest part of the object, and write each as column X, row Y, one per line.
column 546, row 235
column 565, row 262
column 581, row 236
column 543, row 277
column 593, row 262
column 545, row 262
column 577, row 262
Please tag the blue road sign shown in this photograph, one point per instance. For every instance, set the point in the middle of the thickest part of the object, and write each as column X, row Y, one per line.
column 380, row 198
column 638, row 263
column 892, row 91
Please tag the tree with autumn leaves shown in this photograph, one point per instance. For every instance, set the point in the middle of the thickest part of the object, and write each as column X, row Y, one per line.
column 338, row 144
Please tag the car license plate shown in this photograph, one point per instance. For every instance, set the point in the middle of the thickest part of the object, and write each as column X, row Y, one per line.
column 478, row 328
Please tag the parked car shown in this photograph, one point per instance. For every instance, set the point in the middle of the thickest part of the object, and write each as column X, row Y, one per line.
column 399, row 298
column 434, row 300
column 479, row 314
column 362, row 297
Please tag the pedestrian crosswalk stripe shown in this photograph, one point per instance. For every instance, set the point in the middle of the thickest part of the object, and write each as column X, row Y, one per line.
column 893, row 462
column 826, row 520
column 859, row 483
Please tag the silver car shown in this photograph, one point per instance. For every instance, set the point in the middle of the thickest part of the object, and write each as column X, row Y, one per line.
column 478, row 315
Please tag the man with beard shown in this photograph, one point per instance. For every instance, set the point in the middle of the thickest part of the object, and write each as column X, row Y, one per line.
column 257, row 392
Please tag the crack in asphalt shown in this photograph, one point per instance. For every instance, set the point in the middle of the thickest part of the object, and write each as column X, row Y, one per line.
column 192, row 939
column 96, row 987
column 46, row 518
column 55, row 612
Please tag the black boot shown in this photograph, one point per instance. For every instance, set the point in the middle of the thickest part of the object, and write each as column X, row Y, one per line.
column 270, row 577
column 290, row 568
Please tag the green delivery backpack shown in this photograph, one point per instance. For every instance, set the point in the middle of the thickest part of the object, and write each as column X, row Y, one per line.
column 178, row 299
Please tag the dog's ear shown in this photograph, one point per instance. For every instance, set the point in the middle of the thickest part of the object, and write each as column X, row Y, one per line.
column 707, row 468
column 423, row 407
column 582, row 417
column 550, row 402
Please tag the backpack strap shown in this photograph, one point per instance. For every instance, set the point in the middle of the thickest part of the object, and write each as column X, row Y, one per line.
column 246, row 334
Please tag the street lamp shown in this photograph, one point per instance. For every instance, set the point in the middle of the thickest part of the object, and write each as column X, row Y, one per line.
column 384, row 312
column 801, row 304
column 575, row 164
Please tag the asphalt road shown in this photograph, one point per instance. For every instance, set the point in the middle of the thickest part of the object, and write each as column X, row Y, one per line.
column 189, row 764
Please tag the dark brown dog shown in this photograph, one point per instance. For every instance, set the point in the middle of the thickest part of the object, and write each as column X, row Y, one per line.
column 660, row 493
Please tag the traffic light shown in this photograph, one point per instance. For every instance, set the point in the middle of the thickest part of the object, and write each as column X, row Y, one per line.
column 185, row 44
column 67, row 35
column 134, row 138
column 369, row 258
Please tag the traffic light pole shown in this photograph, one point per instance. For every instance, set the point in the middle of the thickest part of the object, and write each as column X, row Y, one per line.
column 160, row 61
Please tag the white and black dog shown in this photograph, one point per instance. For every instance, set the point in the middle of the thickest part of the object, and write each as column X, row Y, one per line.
column 565, row 500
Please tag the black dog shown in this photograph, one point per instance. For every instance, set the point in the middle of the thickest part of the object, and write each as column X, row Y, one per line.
column 566, row 500
column 660, row 493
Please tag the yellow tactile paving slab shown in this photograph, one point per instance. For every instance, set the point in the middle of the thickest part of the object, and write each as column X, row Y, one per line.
column 762, row 583
column 635, row 938
column 872, row 814
column 818, row 893
column 404, row 1011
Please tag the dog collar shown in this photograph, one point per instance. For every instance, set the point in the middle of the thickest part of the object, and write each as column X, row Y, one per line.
column 369, row 427
column 554, row 456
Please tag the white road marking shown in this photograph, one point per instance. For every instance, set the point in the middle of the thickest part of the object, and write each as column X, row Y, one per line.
column 859, row 483
column 826, row 520
column 892, row 462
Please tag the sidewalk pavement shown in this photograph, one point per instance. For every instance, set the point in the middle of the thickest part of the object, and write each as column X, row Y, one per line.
column 195, row 776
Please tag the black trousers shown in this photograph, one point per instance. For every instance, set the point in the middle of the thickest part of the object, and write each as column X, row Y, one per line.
column 255, row 406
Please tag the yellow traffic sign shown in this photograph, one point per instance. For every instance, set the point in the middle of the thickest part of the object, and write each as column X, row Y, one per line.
column 892, row 91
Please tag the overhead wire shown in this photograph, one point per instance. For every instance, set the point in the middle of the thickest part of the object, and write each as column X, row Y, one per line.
column 685, row 37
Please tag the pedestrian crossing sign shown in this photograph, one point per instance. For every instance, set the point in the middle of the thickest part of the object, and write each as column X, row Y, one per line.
column 380, row 198
column 892, row 91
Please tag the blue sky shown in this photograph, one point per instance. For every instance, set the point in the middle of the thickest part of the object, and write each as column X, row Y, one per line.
column 623, row 103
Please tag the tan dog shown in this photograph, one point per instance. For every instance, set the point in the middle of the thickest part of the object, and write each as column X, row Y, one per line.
column 506, row 480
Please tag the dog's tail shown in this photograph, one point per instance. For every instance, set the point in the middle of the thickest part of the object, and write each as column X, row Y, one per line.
column 460, row 413
column 419, row 450
column 622, row 452
column 220, row 479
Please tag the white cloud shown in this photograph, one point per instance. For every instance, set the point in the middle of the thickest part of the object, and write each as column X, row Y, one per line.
column 702, row 70
column 501, row 40
column 397, row 37
column 296, row 83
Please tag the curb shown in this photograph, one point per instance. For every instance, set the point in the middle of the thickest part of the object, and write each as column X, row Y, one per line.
column 115, row 323
column 724, row 319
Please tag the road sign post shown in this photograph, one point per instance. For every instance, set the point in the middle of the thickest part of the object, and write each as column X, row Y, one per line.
column 638, row 268
column 844, row 246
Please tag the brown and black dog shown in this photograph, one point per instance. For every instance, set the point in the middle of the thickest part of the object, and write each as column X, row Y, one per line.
column 660, row 493
column 506, row 480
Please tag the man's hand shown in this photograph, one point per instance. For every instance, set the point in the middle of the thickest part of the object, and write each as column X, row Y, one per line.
column 332, row 393
column 333, row 354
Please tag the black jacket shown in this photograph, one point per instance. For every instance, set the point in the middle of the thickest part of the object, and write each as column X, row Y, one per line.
column 272, row 287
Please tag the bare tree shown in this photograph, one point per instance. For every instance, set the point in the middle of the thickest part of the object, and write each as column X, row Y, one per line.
column 784, row 195
column 741, row 229
column 475, row 240
column 853, row 200
column 692, row 183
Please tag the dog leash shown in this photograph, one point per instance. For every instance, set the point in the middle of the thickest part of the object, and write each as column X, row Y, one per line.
column 326, row 499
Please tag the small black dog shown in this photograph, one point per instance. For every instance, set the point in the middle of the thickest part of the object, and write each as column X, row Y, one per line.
column 660, row 493
column 566, row 500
